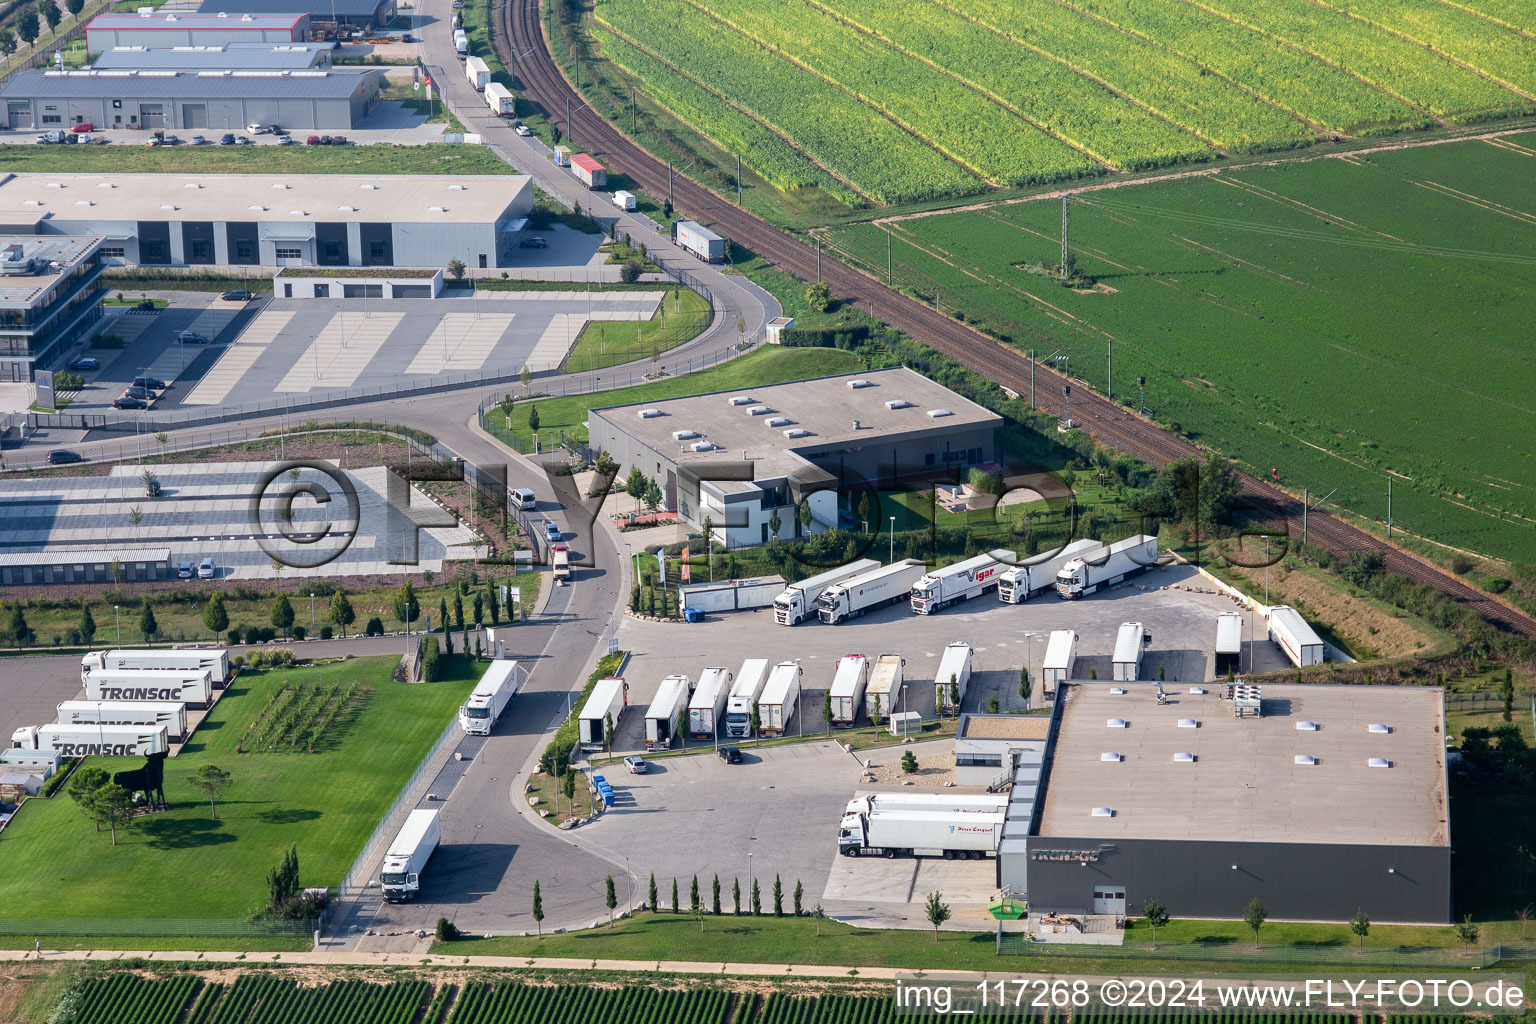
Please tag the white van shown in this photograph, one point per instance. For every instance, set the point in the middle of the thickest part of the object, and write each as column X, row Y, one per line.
column 523, row 499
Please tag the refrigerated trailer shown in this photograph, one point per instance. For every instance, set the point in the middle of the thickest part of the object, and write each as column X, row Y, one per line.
column 1105, row 566
column 706, row 711
column 742, row 699
column 661, row 716
column 588, row 171
column 1060, row 660
column 1132, row 639
column 214, row 661
column 610, row 698
column 478, row 74
column 84, row 739
column 699, row 240
column 500, row 99
column 953, row 678
column 885, row 682
column 406, row 859
column 939, row 803
column 1022, row 582
column 1292, row 635
column 848, row 688
column 874, row 589
column 921, row 833
column 171, row 714
column 191, row 687
column 781, row 699
column 959, row 582
column 798, row 601
column 490, row 697
column 1229, row 643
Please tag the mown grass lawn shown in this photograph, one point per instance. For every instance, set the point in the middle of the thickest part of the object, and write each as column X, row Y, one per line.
column 185, row 863
column 682, row 315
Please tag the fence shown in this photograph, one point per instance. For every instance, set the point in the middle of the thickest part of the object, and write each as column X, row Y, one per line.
column 1482, row 701
column 156, row 927
column 1018, row 944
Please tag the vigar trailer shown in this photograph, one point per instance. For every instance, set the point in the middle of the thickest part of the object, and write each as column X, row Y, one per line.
column 1229, row 643
column 187, row 686
column 171, row 714
column 490, row 697
column 1290, row 631
column 478, row 74
column 406, row 859
column 798, row 601
column 1060, row 660
column 743, row 698
column 661, row 716
column 959, row 582
column 848, row 685
column 214, row 661
column 1132, row 639
column 884, row 690
column 781, row 699
column 1019, row 583
column 1106, row 566
column 699, row 240
column 84, row 739
column 609, row 699
column 954, row 675
column 588, row 171
column 500, row 99
column 706, row 711
column 920, row 833
column 874, row 589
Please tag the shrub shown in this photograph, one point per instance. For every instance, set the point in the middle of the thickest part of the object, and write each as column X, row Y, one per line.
column 235, row 636
column 1496, row 584
column 375, row 627
column 299, row 632
column 326, row 633
column 1461, row 565
column 446, row 930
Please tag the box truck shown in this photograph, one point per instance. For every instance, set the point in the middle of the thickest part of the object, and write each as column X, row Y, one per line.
column 490, row 697
column 1132, row 639
column 1293, row 636
column 848, row 688
column 706, row 711
column 699, row 240
column 84, row 739
column 609, row 699
column 460, row 41
column 1019, row 583
column 661, row 716
column 959, row 582
column 781, row 699
column 885, row 682
column 189, row 686
column 560, row 566
column 954, row 675
column 624, row 200
column 798, row 601
column 731, row 595
column 406, row 859
column 562, row 156
column 214, row 661
column 478, row 74
column 743, row 698
column 500, row 99
column 1106, row 565
column 1229, row 643
column 1060, row 661
column 921, row 833
column 588, row 171
column 171, row 714
column 874, row 589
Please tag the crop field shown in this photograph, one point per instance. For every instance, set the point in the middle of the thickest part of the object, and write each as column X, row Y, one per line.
column 1338, row 321
column 884, row 101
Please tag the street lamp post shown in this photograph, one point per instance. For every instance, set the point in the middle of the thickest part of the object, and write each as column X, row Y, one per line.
column 1266, row 568
column 749, row 878
column 311, row 612
column 119, row 615
column 892, row 555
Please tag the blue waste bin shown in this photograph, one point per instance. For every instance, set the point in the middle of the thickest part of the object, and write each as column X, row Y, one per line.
column 692, row 615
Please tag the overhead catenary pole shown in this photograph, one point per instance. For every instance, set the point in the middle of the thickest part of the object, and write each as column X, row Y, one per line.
column 1066, row 221
column 1389, row 508
column 887, row 255
column 738, row 179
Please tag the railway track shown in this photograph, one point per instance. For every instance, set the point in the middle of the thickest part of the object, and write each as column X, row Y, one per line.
column 520, row 31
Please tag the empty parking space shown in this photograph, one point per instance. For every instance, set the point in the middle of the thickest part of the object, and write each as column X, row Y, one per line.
column 462, row 341
column 340, row 352
column 221, row 379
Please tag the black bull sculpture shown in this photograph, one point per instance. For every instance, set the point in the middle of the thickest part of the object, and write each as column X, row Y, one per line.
column 149, row 780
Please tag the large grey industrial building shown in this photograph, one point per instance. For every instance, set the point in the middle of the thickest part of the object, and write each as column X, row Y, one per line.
column 768, row 446
column 228, row 57
column 182, row 28
column 50, row 296
column 217, row 100
column 275, row 220
column 1316, row 800
column 356, row 13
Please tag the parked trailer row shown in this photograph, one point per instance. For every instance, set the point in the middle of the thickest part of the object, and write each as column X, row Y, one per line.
column 885, row 683
column 1132, row 639
column 848, row 685
column 1022, row 582
column 731, row 595
column 1229, row 643
column 742, row 700
column 477, row 72
column 706, row 711
column 868, row 591
column 85, row 739
column 961, row 581
column 192, row 687
column 500, row 99
column 798, row 601
column 172, row 715
column 1106, row 565
column 661, row 717
column 921, row 833
column 781, row 699
column 214, row 661
column 1060, row 661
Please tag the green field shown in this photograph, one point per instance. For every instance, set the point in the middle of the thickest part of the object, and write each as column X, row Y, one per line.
column 184, row 863
column 435, row 158
column 879, row 101
column 1337, row 320
column 682, row 315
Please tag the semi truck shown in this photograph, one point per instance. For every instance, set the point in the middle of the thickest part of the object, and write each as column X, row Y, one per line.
column 661, row 716
column 781, row 699
column 953, row 678
column 84, row 739
column 478, row 74
column 588, row 171
column 1132, row 639
column 706, row 711
column 1021, row 582
column 490, row 697
column 731, row 595
column 191, row 687
column 214, row 661
column 500, row 99
column 798, row 601
column 1106, row 565
column 1291, row 634
column 940, row 803
column 699, row 240
column 610, row 697
column 885, row 682
column 406, row 859
column 1060, row 660
column 171, row 714
column 1229, row 643
column 959, row 582
column 869, row 590
column 921, row 833
column 743, row 698
column 848, row 688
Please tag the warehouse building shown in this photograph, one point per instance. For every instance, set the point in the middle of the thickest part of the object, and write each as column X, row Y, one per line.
column 1316, row 800
column 317, row 99
column 987, row 746
column 181, row 28
column 228, row 57
column 97, row 565
column 275, row 220
column 740, row 457
column 50, row 297
column 352, row 13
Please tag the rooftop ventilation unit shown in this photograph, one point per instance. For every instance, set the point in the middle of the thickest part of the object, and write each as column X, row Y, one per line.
column 369, row 187
column 938, row 414
column 31, row 202
column 1247, row 699
column 1110, row 755
column 897, row 403
column 167, row 206
column 84, row 202
column 1103, row 812
column 649, row 414
column 455, row 188
column 861, row 383
column 279, row 184
column 1305, row 759
column 437, row 209
column 1184, row 757
column 759, row 410
column 192, row 184
column 683, row 435
column 797, row 432
column 1306, row 727
column 105, row 184
column 258, row 209
column 55, row 184
column 740, row 399
column 347, row 209
column 1116, row 723
column 1117, row 690
column 1378, row 762
column 702, row 446
column 298, row 213
column 1378, row 727
column 777, row 421
column 1197, row 690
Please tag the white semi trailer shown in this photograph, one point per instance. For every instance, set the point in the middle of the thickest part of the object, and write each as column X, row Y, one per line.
column 706, row 711
column 1132, row 639
column 610, row 698
column 490, row 697
column 85, row 739
column 191, row 687
column 1229, row 643
column 940, row 803
column 1105, row 566
column 958, row 582
column 1022, row 582
column 743, row 698
column 921, row 833
column 798, row 601
column 171, row 714
column 848, row 688
column 781, row 699
column 661, row 716
column 866, row 591
column 885, row 682
column 406, row 859
column 1292, row 635
column 1060, row 660
column 214, row 661
column 953, row 678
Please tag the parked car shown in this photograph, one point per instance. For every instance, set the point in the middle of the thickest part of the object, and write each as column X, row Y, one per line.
column 127, row 402
column 227, row 139
column 256, row 129
column 88, row 363
column 535, row 242
column 152, row 487
column 198, row 140
column 192, row 337
column 83, row 126
column 340, row 140
column 241, row 140
column 326, row 140
column 286, row 140
column 551, row 530
column 636, row 764
column 152, row 142
column 313, row 140
column 143, row 394
column 63, row 457
column 184, row 571
column 52, row 137
column 730, row 755
column 170, row 140
column 238, row 295
column 523, row 129
column 153, row 383
column 206, row 570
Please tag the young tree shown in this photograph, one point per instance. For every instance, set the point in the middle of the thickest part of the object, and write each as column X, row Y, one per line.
column 282, row 614
column 774, row 525
column 21, row 633
column 805, row 517
column 86, row 781
column 112, row 806
column 714, row 891
column 608, row 730
column 937, row 911
column 874, row 713
column 407, row 607
column 1507, row 688
column 493, row 603
column 1156, row 915
column 674, row 896
column 652, row 894
column 634, row 484
column 909, row 762
column 1525, row 915
column 8, row 38
column 736, row 895
column 799, row 895
column 533, row 418
column 653, row 496
column 610, row 899
column 693, row 895
column 778, row 897
column 215, row 615
column 826, row 709
column 211, row 779
column 87, row 626
column 757, row 899
column 49, row 9
column 1254, row 916
column 818, row 913
column 525, row 377
column 538, row 908
column 479, row 609
column 442, row 614
column 1023, row 685
column 992, row 705
column 682, row 725
column 954, row 694
column 867, row 510
column 27, row 27
column 697, row 913
column 1467, row 932
column 818, row 296
column 458, row 611
column 342, row 614
column 1360, row 924
column 147, row 624
column 74, row 7
column 456, row 269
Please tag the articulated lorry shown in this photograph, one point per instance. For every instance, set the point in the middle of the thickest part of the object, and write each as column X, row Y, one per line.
column 1021, row 582
column 1229, row 643
column 1060, row 660
column 1105, row 566
column 706, row 711
column 661, row 716
column 953, row 678
column 885, row 682
column 610, row 698
column 848, row 688
column 937, row 803
column 490, row 697
column 743, row 698
column 406, row 859
column 214, row 661
column 85, row 738
column 1132, row 639
column 1293, row 636
column 959, row 582
column 191, row 687
column 172, row 715
column 954, row 835
column 867, row 591
column 798, row 601
column 780, row 700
